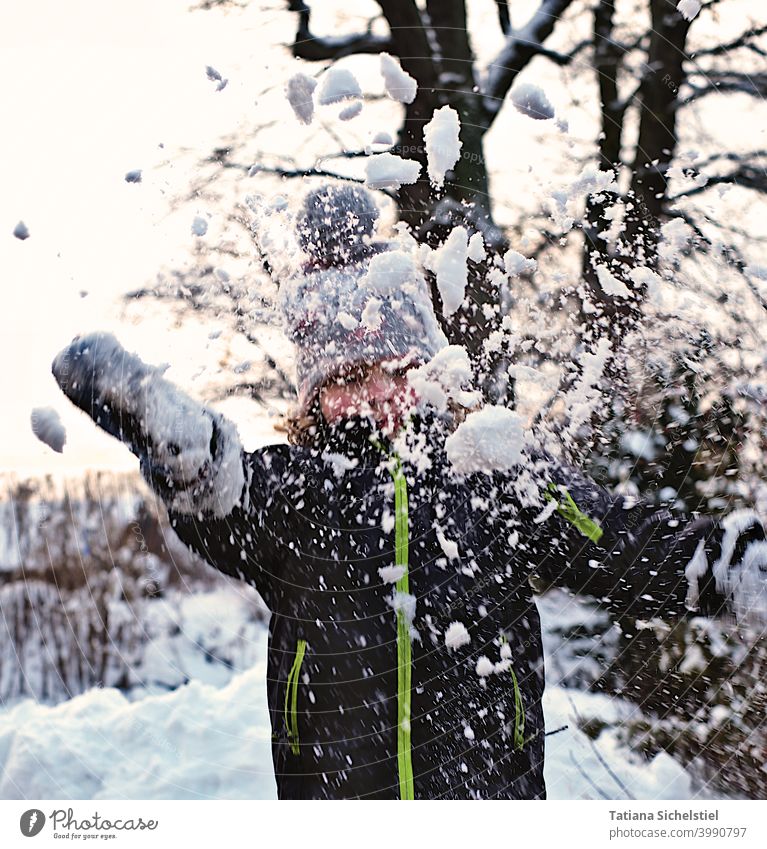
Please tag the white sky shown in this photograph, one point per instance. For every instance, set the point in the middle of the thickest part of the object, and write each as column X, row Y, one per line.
column 89, row 91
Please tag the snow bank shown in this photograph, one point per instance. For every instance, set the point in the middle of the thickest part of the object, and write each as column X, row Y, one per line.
column 531, row 100
column 300, row 94
column 490, row 439
column 399, row 84
column 387, row 171
column 443, row 145
column 195, row 743
column 47, row 427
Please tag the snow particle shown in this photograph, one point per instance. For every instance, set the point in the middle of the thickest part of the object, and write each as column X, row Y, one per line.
column 351, row 111
column 21, row 231
column 610, row 283
column 133, row 176
column 516, row 264
column 213, row 75
column 47, row 427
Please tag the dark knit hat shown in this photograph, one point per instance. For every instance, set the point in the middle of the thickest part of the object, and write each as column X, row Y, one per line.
column 356, row 302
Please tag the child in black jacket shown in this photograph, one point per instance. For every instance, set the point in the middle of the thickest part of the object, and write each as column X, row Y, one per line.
column 405, row 656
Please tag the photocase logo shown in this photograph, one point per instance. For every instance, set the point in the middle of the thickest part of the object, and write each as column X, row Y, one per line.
column 32, row 822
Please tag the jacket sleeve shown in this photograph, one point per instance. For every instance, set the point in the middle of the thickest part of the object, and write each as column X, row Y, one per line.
column 649, row 562
column 219, row 497
column 245, row 543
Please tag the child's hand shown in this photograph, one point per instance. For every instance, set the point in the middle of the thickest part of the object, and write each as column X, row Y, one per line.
column 189, row 454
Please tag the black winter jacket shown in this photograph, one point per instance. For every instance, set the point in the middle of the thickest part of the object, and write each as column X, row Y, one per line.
column 372, row 693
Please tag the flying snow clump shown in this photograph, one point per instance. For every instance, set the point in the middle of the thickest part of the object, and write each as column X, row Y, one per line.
column 477, row 250
column 489, row 439
column 456, row 636
column 444, row 378
column 516, row 264
column 688, row 9
column 399, row 84
column 531, row 100
column 338, row 84
column 676, row 235
column 21, row 231
column 389, row 272
column 47, row 427
column 351, row 111
column 443, row 144
column 448, row 262
column 214, row 76
column 387, row 171
column 300, row 94
column 199, row 226
column 610, row 283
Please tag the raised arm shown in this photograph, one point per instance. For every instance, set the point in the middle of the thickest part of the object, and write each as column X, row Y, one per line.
column 649, row 562
column 190, row 455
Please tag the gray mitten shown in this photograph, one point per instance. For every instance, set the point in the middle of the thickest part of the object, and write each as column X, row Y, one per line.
column 190, row 455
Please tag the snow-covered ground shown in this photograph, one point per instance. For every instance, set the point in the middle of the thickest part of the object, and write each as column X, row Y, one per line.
column 210, row 737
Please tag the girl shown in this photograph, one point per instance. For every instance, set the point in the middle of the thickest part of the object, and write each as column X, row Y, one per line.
column 405, row 656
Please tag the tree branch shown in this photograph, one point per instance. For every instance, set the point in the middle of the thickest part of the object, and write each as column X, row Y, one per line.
column 521, row 46
column 314, row 48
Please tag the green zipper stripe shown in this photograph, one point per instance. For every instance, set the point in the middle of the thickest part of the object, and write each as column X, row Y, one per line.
column 570, row 510
column 291, row 697
column 519, row 708
column 404, row 649
column 519, row 714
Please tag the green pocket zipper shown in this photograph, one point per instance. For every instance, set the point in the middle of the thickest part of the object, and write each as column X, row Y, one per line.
column 291, row 697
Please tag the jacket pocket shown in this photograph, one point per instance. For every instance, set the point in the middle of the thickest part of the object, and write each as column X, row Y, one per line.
column 291, row 698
